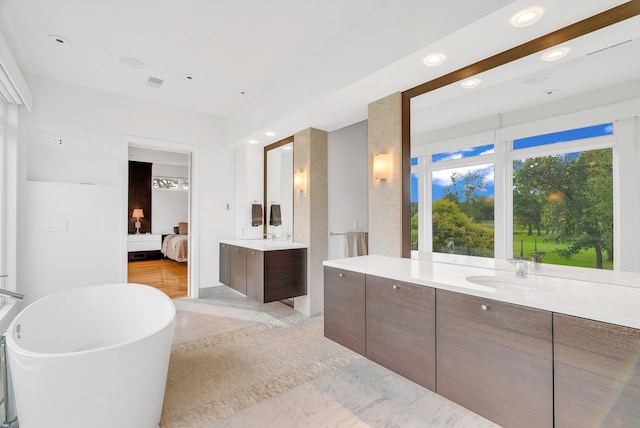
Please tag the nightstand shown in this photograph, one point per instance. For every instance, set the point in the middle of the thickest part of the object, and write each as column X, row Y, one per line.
column 144, row 247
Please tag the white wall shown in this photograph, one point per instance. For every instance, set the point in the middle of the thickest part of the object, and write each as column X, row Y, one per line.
column 169, row 207
column 347, row 184
column 91, row 251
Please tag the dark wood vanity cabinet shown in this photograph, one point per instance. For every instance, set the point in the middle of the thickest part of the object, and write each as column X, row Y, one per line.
column 266, row 276
column 597, row 373
column 276, row 275
column 515, row 365
column 344, row 308
column 225, row 264
column 495, row 359
column 238, row 269
column 255, row 275
column 400, row 328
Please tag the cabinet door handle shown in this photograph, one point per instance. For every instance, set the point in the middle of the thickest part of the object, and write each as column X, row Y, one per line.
column 396, row 287
column 342, row 275
column 485, row 307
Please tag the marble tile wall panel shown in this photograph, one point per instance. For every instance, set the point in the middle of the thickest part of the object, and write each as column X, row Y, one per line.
column 385, row 196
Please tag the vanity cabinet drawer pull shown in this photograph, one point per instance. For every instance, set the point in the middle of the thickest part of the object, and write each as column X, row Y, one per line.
column 396, row 287
column 485, row 307
column 342, row 274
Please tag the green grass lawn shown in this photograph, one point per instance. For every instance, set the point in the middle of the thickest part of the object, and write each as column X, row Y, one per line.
column 489, row 224
column 586, row 258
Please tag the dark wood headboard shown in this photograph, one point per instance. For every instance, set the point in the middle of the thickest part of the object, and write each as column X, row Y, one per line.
column 140, row 195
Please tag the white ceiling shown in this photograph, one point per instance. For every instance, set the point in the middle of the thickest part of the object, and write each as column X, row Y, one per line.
column 158, row 156
column 303, row 62
column 602, row 59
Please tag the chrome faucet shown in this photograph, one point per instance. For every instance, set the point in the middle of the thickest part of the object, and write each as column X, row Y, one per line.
column 10, row 294
column 521, row 266
column 272, row 235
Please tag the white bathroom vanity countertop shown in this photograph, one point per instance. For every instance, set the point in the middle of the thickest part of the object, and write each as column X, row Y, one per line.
column 584, row 294
column 263, row 244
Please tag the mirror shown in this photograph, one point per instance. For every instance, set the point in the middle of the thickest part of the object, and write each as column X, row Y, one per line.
column 278, row 190
column 447, row 119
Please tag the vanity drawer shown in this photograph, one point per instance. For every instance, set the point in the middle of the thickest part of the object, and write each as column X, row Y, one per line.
column 597, row 376
column 495, row 359
column 400, row 328
column 344, row 308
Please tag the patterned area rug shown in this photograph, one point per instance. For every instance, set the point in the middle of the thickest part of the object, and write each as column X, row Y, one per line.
column 212, row 378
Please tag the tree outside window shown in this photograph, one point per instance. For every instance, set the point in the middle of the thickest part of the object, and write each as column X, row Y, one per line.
column 561, row 201
column 170, row 183
column 563, row 207
column 462, row 211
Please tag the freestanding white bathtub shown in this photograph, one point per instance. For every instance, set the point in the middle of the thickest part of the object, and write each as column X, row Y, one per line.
column 94, row 356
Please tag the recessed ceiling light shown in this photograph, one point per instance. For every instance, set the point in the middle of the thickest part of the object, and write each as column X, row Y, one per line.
column 59, row 40
column 252, row 141
column 243, row 91
column 526, row 17
column 434, row 59
column 471, row 83
column 269, row 134
column 537, row 79
column 555, row 54
column 189, row 76
column 132, row 61
column 550, row 91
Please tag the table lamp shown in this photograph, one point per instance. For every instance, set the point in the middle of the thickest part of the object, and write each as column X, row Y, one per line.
column 137, row 214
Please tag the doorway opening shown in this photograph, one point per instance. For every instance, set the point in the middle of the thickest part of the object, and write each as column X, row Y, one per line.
column 159, row 191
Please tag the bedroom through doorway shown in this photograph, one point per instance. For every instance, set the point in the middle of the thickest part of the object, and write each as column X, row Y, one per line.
column 158, row 219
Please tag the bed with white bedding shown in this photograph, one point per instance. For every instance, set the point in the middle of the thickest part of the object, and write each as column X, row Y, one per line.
column 176, row 247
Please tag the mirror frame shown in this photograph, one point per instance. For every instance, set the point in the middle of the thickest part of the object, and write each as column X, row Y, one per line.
column 272, row 146
column 580, row 28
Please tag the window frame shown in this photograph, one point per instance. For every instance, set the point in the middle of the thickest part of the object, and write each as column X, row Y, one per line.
column 181, row 187
column 3, row 197
column 503, row 158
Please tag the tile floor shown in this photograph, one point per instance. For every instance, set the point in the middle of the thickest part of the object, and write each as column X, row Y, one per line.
column 358, row 394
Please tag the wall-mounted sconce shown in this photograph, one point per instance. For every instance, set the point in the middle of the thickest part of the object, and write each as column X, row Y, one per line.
column 137, row 214
column 299, row 181
column 381, row 166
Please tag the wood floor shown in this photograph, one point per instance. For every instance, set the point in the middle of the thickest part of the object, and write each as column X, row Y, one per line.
column 167, row 275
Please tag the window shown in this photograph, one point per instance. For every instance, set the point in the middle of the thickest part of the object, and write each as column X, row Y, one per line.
column 563, row 202
column 563, row 136
column 170, row 183
column 552, row 193
column 414, row 205
column 464, row 153
column 462, row 210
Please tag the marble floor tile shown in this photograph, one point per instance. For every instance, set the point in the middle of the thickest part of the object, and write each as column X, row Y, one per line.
column 324, row 385
column 398, row 389
column 264, row 414
column 439, row 412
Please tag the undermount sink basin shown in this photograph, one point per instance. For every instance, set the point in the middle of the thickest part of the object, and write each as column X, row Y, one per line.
column 510, row 284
